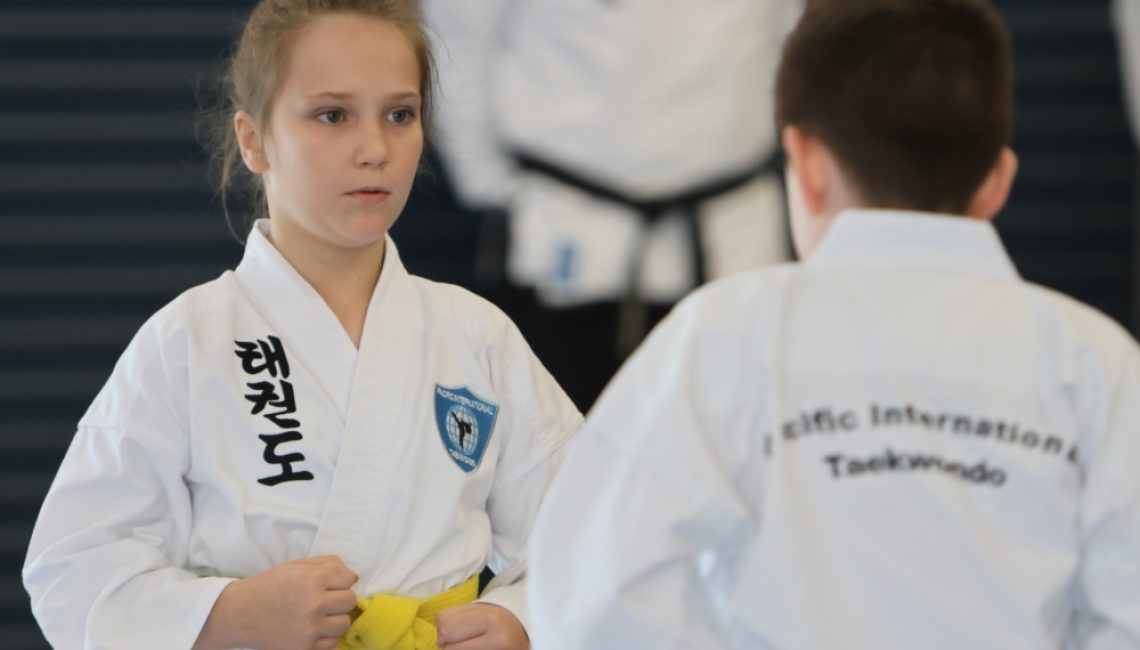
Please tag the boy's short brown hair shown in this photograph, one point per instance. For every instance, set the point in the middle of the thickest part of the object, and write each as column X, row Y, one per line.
column 913, row 97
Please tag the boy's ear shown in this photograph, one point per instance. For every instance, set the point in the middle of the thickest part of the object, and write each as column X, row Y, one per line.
column 807, row 159
column 250, row 143
column 991, row 195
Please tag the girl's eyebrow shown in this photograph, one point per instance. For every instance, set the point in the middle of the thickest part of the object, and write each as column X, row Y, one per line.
column 330, row 95
column 338, row 96
column 405, row 96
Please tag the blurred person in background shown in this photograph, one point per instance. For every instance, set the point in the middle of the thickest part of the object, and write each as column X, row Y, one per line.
column 1126, row 14
column 1126, row 19
column 628, row 149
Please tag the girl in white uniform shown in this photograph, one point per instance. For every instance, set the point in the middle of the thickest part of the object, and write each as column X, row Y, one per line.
column 316, row 448
column 896, row 444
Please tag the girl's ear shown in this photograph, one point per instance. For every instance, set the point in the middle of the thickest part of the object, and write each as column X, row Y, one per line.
column 250, row 142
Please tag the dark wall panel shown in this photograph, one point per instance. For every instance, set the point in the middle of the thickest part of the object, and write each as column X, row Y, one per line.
column 106, row 215
column 1071, row 220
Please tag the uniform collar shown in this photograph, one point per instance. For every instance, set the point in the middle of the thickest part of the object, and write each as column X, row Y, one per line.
column 263, row 264
column 884, row 239
column 298, row 314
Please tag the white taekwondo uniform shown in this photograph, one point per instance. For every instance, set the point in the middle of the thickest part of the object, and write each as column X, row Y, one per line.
column 898, row 444
column 242, row 429
column 1126, row 17
column 648, row 98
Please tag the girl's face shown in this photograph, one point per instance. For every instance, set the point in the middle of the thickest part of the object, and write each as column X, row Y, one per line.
column 345, row 134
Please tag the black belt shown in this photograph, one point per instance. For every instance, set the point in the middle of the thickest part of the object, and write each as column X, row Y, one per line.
column 686, row 203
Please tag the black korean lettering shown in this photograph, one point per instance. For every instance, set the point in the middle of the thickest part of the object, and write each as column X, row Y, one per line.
column 274, row 440
column 266, row 395
column 262, row 355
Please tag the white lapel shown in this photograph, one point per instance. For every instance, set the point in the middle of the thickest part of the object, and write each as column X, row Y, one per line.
column 312, row 335
column 353, row 522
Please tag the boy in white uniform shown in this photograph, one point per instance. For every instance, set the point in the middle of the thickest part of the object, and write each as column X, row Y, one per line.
column 896, row 444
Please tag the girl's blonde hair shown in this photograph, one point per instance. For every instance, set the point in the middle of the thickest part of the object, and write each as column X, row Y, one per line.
column 258, row 65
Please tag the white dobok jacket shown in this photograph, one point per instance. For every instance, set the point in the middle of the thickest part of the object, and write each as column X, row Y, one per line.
column 648, row 97
column 897, row 444
column 242, row 429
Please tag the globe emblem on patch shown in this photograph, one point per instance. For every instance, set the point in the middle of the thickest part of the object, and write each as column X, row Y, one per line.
column 462, row 428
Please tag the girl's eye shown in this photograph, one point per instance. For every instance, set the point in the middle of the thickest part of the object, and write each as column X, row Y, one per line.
column 332, row 116
column 401, row 116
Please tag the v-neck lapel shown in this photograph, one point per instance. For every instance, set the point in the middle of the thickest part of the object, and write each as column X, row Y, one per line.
column 353, row 518
column 309, row 330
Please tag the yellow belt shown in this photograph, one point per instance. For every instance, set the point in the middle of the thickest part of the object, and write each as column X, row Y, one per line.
column 388, row 622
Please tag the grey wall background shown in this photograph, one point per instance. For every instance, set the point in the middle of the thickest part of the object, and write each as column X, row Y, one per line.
column 106, row 214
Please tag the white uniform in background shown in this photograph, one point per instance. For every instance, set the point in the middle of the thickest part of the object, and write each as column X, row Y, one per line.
column 650, row 98
column 242, row 429
column 1126, row 15
column 898, row 444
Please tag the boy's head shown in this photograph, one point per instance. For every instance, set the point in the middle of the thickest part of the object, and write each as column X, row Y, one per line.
column 898, row 104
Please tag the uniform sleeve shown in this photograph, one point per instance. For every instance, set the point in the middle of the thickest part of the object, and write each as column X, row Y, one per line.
column 1110, row 514
column 540, row 421
column 643, row 522
column 104, row 564
column 466, row 42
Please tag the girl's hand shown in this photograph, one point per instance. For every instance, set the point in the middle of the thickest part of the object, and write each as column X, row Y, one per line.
column 299, row 605
column 480, row 626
